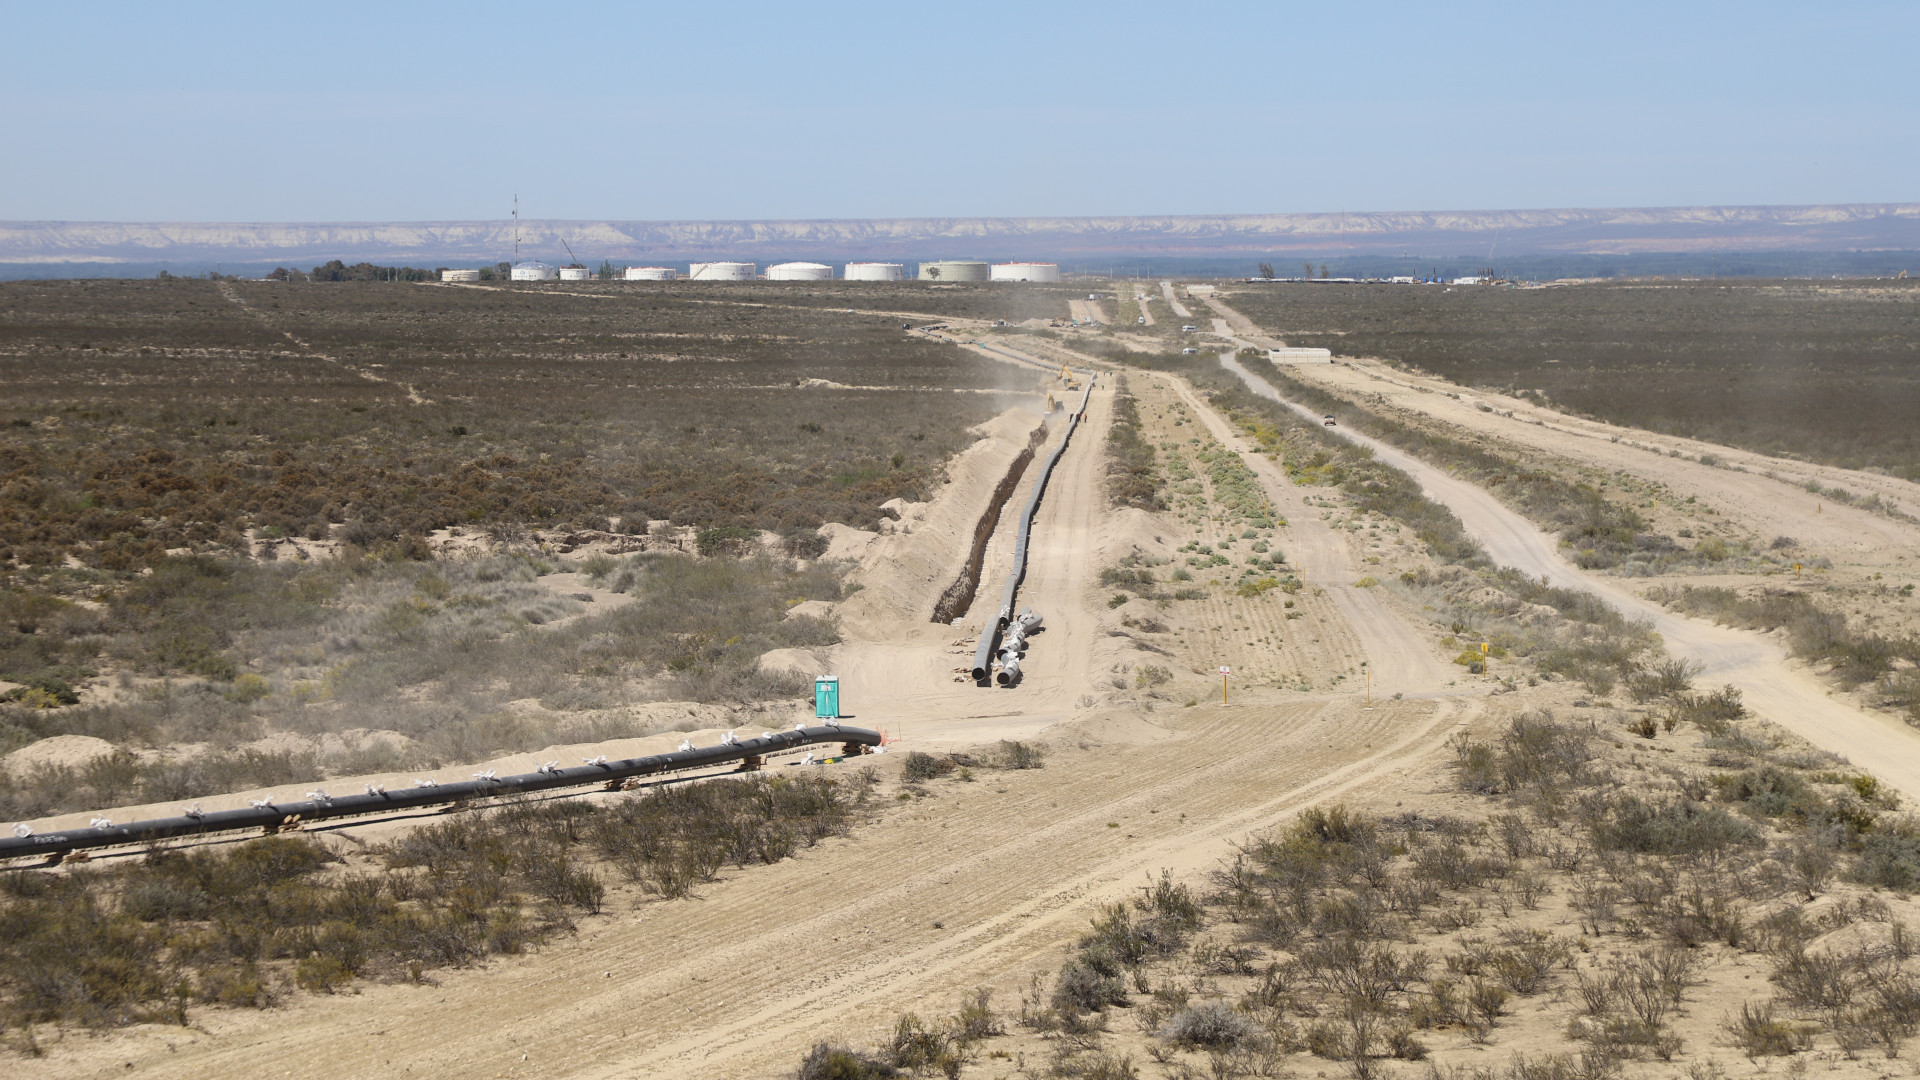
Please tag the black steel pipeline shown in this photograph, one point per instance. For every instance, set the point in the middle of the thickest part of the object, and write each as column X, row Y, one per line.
column 272, row 815
column 990, row 634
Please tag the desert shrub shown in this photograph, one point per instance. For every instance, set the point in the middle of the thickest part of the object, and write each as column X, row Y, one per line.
column 1747, row 364
column 1082, row 988
column 137, row 941
column 921, row 766
column 1212, row 1025
column 1535, row 752
column 1813, row 632
column 1018, row 755
column 1133, row 477
column 1889, row 856
column 829, row 1061
column 1677, row 827
column 1665, row 678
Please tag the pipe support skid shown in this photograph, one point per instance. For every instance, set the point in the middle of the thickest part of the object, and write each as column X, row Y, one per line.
column 983, row 653
column 275, row 815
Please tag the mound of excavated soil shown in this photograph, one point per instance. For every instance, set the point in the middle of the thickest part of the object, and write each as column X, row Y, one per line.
column 59, row 752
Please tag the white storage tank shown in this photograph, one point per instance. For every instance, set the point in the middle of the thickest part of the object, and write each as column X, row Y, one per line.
column 955, row 270
column 651, row 273
column 1026, row 271
column 876, row 272
column 575, row 273
column 723, row 271
column 799, row 271
column 459, row 275
column 533, row 271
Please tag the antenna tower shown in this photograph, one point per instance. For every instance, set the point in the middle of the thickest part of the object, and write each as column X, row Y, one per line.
column 516, row 228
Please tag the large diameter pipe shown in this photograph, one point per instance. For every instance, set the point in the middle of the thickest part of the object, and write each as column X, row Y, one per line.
column 983, row 653
column 1010, row 672
column 275, row 814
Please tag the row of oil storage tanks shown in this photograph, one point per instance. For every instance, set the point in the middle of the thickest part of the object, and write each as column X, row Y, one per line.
column 944, row 270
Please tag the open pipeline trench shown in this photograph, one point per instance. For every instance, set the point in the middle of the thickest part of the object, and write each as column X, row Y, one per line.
column 1004, row 620
column 958, row 597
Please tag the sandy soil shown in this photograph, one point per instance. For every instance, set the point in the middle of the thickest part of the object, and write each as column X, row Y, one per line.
column 981, row 883
column 1774, row 686
column 735, row 982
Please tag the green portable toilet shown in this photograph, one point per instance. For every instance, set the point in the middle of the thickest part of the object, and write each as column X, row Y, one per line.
column 826, row 696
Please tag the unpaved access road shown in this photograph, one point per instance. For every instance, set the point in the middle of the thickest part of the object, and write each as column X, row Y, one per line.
column 1399, row 657
column 1770, row 494
column 973, row 884
column 738, row 981
column 1180, row 309
column 1757, row 665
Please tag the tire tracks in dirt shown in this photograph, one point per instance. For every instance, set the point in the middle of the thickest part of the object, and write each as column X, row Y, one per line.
column 233, row 296
column 1756, row 665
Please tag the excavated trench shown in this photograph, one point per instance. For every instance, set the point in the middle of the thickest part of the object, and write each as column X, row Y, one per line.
column 959, row 596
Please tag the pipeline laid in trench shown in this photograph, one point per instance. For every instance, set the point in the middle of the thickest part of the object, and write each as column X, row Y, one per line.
column 273, row 816
column 958, row 597
column 990, row 633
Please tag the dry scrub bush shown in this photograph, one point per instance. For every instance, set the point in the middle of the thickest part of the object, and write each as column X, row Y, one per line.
column 438, row 649
column 1821, row 369
column 233, row 926
column 177, row 429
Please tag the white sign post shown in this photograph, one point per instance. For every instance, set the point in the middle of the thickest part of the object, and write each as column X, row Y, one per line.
column 1224, row 672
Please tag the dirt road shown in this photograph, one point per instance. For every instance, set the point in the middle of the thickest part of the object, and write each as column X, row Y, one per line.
column 1400, row 659
column 1180, row 309
column 977, row 885
column 974, row 884
column 1756, row 664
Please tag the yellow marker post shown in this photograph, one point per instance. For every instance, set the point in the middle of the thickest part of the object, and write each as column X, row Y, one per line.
column 1796, row 571
column 1224, row 672
column 1486, row 659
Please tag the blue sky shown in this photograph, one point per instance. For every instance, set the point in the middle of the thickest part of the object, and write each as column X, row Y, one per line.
column 421, row 111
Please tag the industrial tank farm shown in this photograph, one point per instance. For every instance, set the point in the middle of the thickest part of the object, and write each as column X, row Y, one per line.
column 800, row 271
column 1026, row 271
column 875, row 271
column 955, row 270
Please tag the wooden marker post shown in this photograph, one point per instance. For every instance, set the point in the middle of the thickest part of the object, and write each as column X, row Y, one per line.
column 1224, row 672
column 1368, row 672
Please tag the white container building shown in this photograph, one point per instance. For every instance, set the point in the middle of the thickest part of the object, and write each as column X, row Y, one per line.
column 575, row 273
column 876, row 272
column 651, row 273
column 459, row 275
column 723, row 271
column 1300, row 356
column 955, row 270
column 1026, row 271
column 533, row 271
column 799, row 271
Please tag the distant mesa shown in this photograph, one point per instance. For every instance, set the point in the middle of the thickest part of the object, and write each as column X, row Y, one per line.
column 888, row 241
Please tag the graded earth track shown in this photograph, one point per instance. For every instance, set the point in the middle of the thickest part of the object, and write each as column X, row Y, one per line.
column 738, row 980
column 1757, row 665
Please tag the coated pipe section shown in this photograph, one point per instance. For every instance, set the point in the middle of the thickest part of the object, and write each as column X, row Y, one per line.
column 319, row 806
column 983, row 653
